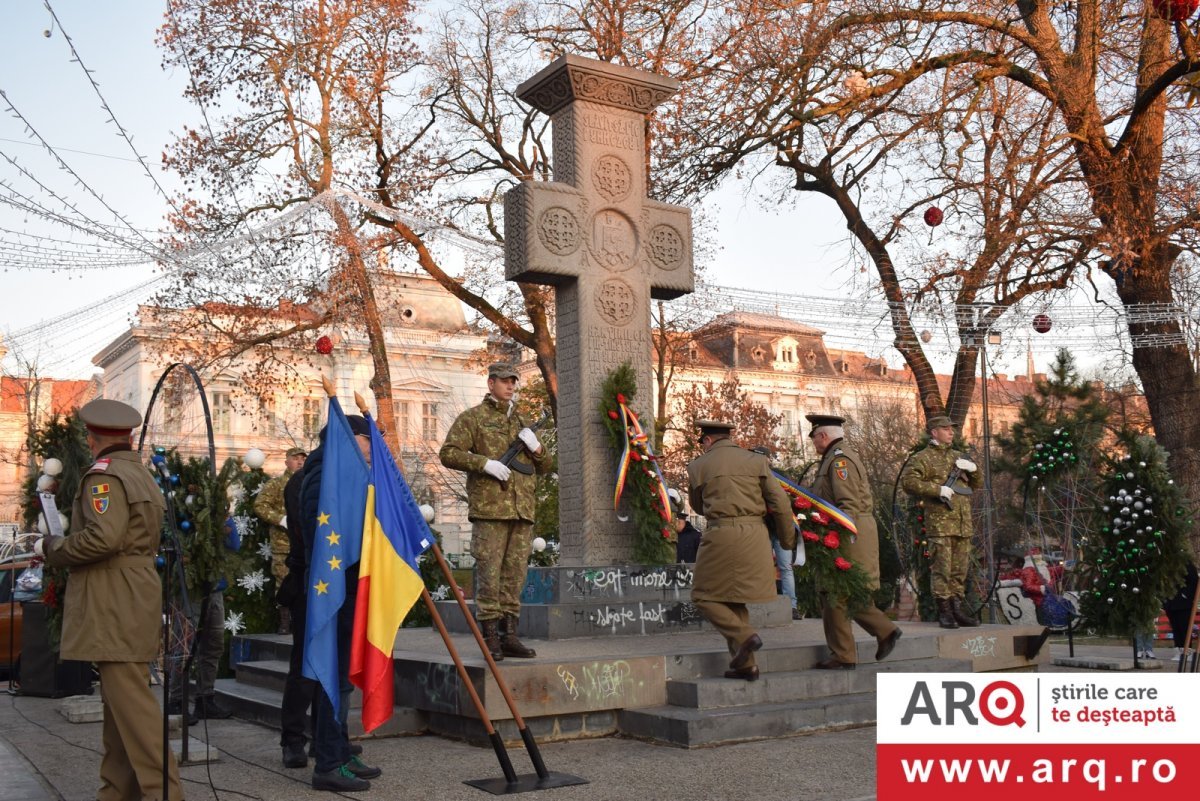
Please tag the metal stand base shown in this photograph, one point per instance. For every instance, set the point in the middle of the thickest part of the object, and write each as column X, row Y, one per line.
column 527, row 783
column 1030, row 646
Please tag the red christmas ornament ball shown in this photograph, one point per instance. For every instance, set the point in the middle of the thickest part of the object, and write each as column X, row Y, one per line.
column 1041, row 323
column 324, row 346
column 1175, row 10
column 934, row 216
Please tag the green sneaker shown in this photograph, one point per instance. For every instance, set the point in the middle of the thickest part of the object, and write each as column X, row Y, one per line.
column 361, row 769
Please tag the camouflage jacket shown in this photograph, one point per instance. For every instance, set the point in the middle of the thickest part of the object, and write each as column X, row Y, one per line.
column 484, row 432
column 269, row 504
column 923, row 479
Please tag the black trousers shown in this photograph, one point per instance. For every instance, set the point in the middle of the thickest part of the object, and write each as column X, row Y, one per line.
column 297, row 690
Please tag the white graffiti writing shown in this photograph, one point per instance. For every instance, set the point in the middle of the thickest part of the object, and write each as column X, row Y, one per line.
column 604, row 680
column 980, row 646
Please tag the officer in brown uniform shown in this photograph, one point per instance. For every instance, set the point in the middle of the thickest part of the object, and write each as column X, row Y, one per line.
column 734, row 490
column 112, row 614
column 842, row 481
column 270, row 508
column 501, row 504
column 948, row 525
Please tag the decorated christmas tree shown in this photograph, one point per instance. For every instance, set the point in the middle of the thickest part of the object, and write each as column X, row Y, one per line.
column 1137, row 552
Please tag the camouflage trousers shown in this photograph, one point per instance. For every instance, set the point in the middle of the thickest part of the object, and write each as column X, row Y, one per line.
column 279, row 551
column 501, row 549
column 951, row 559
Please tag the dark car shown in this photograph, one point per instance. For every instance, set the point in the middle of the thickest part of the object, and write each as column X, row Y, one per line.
column 10, row 610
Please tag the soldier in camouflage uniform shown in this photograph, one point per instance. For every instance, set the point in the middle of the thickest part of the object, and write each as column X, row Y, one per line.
column 501, row 505
column 842, row 480
column 947, row 519
column 269, row 507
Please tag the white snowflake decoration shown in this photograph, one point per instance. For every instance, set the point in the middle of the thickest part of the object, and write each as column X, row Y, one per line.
column 234, row 624
column 245, row 525
column 264, row 550
column 252, row 582
column 440, row 593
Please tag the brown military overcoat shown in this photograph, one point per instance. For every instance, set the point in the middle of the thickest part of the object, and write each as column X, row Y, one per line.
column 113, row 608
column 734, row 489
column 842, row 481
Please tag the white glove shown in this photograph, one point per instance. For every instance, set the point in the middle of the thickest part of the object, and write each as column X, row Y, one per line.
column 530, row 439
column 497, row 470
column 39, row 546
column 965, row 464
column 283, row 522
column 945, row 492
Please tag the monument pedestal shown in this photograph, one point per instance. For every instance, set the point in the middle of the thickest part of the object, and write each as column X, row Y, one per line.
column 563, row 602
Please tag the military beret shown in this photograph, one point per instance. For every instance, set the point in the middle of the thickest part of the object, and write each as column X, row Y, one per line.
column 713, row 427
column 110, row 417
column 763, row 450
column 939, row 421
column 822, row 420
column 502, row 370
column 295, row 452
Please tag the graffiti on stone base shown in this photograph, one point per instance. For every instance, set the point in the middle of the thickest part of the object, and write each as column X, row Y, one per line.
column 605, row 679
column 539, row 587
column 437, row 687
column 638, row 618
column 980, row 646
column 569, row 681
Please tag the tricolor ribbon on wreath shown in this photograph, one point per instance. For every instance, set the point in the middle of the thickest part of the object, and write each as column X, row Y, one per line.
column 806, row 505
column 637, row 448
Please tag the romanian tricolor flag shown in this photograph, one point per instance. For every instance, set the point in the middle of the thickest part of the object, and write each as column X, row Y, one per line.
column 395, row 535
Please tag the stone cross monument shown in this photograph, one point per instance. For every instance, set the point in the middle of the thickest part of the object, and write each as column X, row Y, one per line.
column 607, row 250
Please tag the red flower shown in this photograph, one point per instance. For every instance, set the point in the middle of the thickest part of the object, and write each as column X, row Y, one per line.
column 620, row 398
column 820, row 518
column 842, row 564
column 50, row 595
column 613, row 415
column 800, row 503
column 809, row 536
column 831, row 540
column 666, row 534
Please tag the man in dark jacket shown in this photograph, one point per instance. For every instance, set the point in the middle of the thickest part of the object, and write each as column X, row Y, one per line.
column 337, row 767
column 297, row 690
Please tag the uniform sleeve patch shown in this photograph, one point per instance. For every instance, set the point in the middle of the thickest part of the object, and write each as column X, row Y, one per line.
column 839, row 469
column 99, row 502
column 100, row 466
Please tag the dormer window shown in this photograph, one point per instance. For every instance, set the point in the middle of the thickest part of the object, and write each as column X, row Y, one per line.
column 845, row 366
column 810, row 359
column 758, row 354
column 786, row 354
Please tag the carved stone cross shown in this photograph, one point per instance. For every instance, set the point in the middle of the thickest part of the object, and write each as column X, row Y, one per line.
column 607, row 250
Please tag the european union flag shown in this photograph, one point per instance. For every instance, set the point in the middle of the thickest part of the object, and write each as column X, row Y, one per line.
column 337, row 546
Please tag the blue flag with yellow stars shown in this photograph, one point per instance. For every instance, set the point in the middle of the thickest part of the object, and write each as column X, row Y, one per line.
column 336, row 547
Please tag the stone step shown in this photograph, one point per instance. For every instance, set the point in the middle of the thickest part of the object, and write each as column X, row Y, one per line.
column 268, row 673
column 609, row 618
column 259, row 648
column 609, row 583
column 690, row 728
column 794, row 685
column 262, row 705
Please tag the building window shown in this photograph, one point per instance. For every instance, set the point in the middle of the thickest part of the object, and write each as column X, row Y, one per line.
column 786, row 354
column 222, row 413
column 404, row 420
column 270, row 418
column 311, row 417
column 429, row 421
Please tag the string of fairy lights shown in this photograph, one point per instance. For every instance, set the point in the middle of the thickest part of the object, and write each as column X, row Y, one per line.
column 81, row 231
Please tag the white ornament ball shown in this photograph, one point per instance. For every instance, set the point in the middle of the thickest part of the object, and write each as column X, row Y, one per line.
column 1141, row 464
column 189, row 500
column 254, row 459
column 1129, row 476
column 1136, row 590
column 427, row 512
column 539, row 544
column 45, row 482
column 42, row 528
column 52, row 466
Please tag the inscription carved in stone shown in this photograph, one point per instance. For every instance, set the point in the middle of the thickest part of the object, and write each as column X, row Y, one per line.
column 612, row 178
column 614, row 240
column 666, row 247
column 614, row 301
column 559, row 231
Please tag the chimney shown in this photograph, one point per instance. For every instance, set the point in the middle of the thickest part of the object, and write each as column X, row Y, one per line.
column 1001, row 376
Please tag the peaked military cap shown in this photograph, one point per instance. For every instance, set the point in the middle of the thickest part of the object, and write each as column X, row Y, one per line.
column 710, row 427
column 502, row 370
column 110, row 417
column 822, row 420
column 764, row 450
column 940, row 421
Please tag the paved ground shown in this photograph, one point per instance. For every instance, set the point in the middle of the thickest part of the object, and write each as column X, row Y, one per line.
column 45, row 758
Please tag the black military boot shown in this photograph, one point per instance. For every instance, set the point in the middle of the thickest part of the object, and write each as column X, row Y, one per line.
column 509, row 643
column 945, row 614
column 491, row 636
column 958, row 608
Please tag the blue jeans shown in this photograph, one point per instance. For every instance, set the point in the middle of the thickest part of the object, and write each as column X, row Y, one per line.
column 331, row 738
column 787, row 575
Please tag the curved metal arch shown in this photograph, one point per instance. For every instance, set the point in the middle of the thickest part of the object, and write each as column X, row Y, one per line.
column 191, row 371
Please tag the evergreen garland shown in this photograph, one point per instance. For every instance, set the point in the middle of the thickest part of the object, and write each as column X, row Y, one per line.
column 1138, row 552
column 651, row 531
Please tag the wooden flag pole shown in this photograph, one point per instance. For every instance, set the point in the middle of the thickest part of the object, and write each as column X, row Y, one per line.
column 544, row 780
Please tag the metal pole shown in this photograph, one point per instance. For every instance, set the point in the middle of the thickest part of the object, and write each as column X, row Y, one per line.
column 988, row 518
